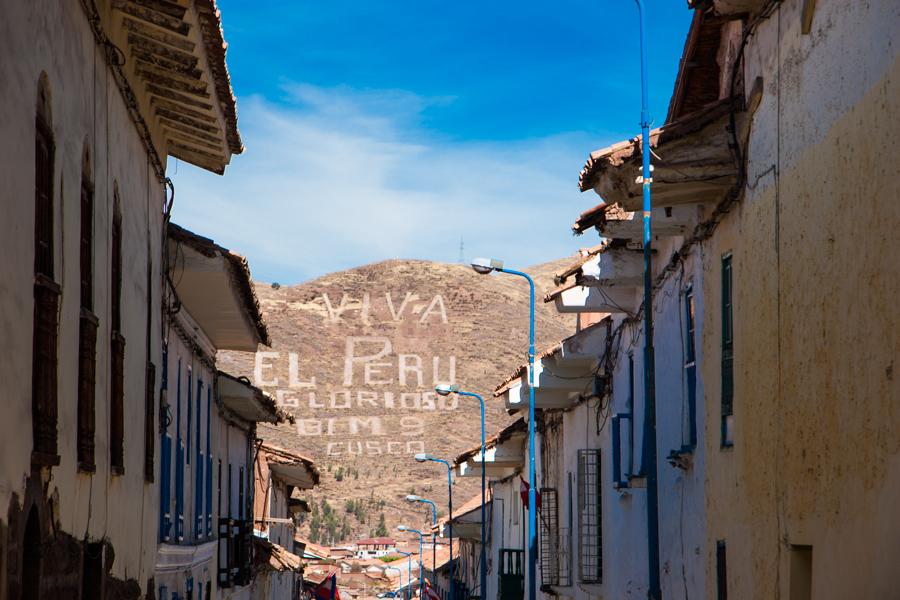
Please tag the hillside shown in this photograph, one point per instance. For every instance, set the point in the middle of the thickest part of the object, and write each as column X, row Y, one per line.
column 355, row 357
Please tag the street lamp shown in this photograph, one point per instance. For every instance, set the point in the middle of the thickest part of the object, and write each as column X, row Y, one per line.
column 421, row 579
column 414, row 498
column 445, row 390
column 408, row 572
column 422, row 457
column 485, row 266
column 399, row 572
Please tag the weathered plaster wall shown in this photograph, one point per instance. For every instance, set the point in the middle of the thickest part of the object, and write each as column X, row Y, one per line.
column 817, row 451
column 87, row 113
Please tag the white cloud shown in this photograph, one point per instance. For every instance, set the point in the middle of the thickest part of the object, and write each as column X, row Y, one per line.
column 334, row 178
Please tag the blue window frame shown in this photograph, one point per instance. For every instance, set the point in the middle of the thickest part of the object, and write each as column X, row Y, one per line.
column 624, row 421
column 209, row 462
column 690, row 367
column 165, row 491
column 190, row 412
column 199, row 519
column 727, row 354
column 179, row 464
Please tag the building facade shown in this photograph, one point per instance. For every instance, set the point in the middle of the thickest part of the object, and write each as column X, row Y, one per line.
column 208, row 432
column 89, row 116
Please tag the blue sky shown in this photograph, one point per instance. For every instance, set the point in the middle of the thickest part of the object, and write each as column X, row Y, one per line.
column 378, row 130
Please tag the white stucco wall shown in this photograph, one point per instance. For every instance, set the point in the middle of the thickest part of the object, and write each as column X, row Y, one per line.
column 87, row 113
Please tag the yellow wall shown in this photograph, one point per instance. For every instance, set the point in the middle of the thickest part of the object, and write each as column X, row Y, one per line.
column 816, row 270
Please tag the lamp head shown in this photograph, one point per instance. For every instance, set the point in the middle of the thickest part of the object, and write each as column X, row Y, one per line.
column 422, row 457
column 412, row 498
column 445, row 389
column 402, row 528
column 486, row 265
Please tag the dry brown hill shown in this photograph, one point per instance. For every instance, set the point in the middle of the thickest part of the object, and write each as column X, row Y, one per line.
column 355, row 357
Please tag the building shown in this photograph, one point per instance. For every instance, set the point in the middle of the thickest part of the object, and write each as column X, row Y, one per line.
column 277, row 473
column 375, row 547
column 774, row 448
column 94, row 99
column 208, row 440
column 770, row 135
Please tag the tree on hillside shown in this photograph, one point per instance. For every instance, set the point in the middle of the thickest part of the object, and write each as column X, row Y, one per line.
column 381, row 530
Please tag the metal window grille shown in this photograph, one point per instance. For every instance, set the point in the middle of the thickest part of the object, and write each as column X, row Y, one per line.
column 727, row 353
column 590, row 530
column 554, row 542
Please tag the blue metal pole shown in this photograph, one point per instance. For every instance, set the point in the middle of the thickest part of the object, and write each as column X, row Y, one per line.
column 450, row 517
column 408, row 572
column 532, row 500
column 421, row 577
column 433, row 538
column 655, row 591
column 483, row 571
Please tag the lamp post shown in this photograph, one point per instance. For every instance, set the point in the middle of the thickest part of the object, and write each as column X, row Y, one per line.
column 430, row 458
column 408, row 572
column 399, row 572
column 446, row 390
column 414, row 498
column 421, row 579
column 485, row 266
column 655, row 591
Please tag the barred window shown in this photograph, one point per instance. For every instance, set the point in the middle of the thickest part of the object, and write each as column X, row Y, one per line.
column 45, row 333
column 117, row 350
column 727, row 354
column 87, row 329
column 554, row 542
column 590, row 530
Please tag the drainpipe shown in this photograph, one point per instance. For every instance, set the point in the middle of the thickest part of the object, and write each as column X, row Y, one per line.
column 655, row 592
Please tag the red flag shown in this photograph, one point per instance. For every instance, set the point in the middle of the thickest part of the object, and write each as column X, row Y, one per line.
column 523, row 492
column 328, row 589
column 430, row 594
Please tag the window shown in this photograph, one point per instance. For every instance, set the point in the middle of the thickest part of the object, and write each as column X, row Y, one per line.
column 199, row 520
column 45, row 333
column 117, row 349
column 623, row 426
column 190, row 412
column 165, row 467
column 179, row 463
column 721, row 572
column 149, row 420
column 727, row 355
column 801, row 573
column 87, row 329
column 209, row 462
column 590, row 532
column 690, row 367
column 553, row 542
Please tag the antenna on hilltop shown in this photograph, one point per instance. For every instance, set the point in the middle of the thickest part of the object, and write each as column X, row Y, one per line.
column 462, row 251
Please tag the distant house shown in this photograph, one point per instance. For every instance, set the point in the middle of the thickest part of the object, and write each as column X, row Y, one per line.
column 375, row 547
